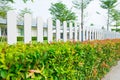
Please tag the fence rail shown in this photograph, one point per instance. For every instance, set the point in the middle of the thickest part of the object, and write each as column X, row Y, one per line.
column 68, row 33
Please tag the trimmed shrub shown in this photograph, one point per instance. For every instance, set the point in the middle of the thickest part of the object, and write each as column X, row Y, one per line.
column 58, row 61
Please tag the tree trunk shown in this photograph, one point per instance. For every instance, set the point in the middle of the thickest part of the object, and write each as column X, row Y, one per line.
column 82, row 20
column 82, row 15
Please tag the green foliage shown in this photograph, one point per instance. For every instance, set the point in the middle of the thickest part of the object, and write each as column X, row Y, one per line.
column 78, row 4
column 23, row 12
column 20, row 38
column 33, row 38
column 108, row 4
column 4, row 8
column 58, row 61
column 61, row 12
column 3, row 39
column 115, row 15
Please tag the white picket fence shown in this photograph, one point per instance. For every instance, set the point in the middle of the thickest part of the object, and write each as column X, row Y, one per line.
column 75, row 32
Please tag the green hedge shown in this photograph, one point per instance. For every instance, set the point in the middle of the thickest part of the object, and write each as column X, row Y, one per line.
column 58, row 61
column 20, row 38
column 33, row 38
column 3, row 39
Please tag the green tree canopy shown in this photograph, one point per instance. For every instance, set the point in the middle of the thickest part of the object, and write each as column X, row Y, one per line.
column 61, row 12
column 78, row 4
column 115, row 15
column 109, row 5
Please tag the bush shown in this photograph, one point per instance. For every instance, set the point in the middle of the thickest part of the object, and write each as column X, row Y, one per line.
column 33, row 38
column 2, row 39
column 58, row 61
column 20, row 38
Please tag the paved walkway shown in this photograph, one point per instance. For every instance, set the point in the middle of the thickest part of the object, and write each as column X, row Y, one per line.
column 114, row 74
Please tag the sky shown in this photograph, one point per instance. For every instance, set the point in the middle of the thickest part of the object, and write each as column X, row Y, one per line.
column 40, row 8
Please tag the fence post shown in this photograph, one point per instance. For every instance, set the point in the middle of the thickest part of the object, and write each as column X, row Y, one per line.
column 75, row 31
column 71, row 32
column 57, row 30
column 11, row 27
column 86, row 28
column 50, row 32
column 39, row 29
column 80, row 36
column 0, row 31
column 90, row 34
column 64, row 31
column 27, row 27
column 83, row 34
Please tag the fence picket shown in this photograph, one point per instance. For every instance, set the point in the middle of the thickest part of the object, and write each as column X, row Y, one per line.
column 39, row 29
column 76, row 29
column 57, row 30
column 0, row 31
column 50, row 32
column 64, row 31
column 11, row 27
column 27, row 28
column 71, row 32
column 80, row 33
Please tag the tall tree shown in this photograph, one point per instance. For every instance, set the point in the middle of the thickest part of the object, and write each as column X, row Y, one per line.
column 81, row 5
column 109, row 5
column 61, row 12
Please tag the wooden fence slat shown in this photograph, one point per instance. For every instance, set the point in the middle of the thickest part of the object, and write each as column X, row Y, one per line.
column 80, row 33
column 57, row 30
column 39, row 29
column 50, row 33
column 11, row 27
column 76, row 31
column 27, row 28
column 71, row 32
column 64, row 31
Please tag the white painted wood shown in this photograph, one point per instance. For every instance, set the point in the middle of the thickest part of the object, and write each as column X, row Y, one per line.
column 64, row 31
column 11, row 27
column 83, row 34
column 76, row 31
column 27, row 28
column 95, row 35
column 39, row 29
column 71, row 32
column 90, row 34
column 57, row 30
column 80, row 33
column 86, row 33
column 50, row 33
column 0, row 31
